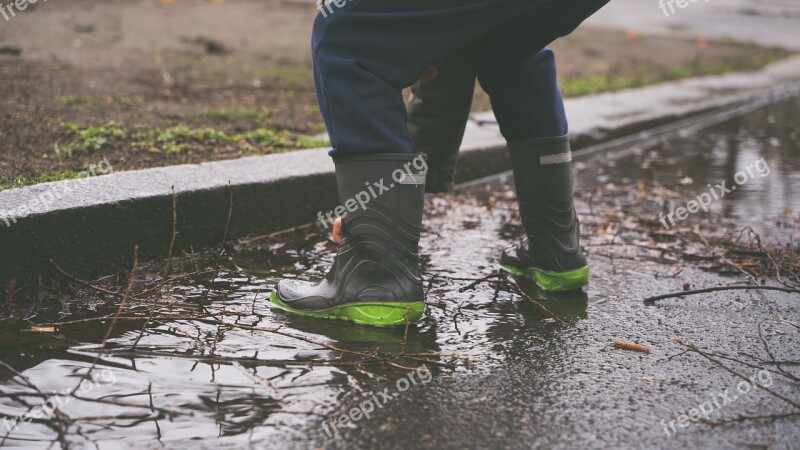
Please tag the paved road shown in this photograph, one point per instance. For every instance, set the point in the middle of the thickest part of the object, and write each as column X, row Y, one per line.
column 767, row 22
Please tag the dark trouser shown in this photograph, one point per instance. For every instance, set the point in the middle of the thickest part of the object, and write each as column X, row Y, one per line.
column 366, row 52
column 438, row 110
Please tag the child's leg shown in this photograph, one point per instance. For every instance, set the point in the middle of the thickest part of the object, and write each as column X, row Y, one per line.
column 437, row 116
column 540, row 157
column 368, row 51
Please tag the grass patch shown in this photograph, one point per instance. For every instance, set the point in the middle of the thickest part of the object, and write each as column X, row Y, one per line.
column 76, row 100
column 90, row 139
column 18, row 181
column 173, row 140
column 648, row 75
column 180, row 138
column 136, row 100
column 307, row 142
column 14, row 50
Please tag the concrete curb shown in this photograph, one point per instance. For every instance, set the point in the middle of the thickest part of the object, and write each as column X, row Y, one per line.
column 96, row 222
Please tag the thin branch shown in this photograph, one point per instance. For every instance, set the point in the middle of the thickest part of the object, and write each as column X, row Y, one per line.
column 222, row 248
column 166, row 269
column 707, row 356
column 651, row 300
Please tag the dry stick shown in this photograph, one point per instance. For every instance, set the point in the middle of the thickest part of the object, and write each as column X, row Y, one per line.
column 734, row 372
column 24, row 378
column 405, row 334
column 400, row 366
column 778, row 267
column 59, row 426
column 84, row 283
column 771, row 356
column 114, row 320
column 256, row 377
column 159, row 286
column 98, row 319
column 540, row 306
column 500, row 274
column 787, row 322
column 155, row 420
column 166, row 269
column 250, row 361
column 472, row 285
column 169, row 412
column 222, row 248
column 737, row 360
column 62, row 431
column 219, row 325
column 743, row 418
column 178, row 330
column 412, row 356
column 320, row 343
column 651, row 300
column 726, row 260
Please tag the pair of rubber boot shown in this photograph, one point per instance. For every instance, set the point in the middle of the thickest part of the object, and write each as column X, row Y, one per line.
column 375, row 277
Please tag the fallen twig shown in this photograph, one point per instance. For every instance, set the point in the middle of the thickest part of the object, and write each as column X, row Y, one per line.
column 631, row 346
column 221, row 250
column 744, row 377
column 651, row 300
column 83, row 282
column 166, row 269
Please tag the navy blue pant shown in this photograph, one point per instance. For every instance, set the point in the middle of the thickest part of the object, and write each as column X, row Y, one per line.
column 367, row 51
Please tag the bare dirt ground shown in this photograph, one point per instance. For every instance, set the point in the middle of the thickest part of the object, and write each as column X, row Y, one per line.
column 151, row 83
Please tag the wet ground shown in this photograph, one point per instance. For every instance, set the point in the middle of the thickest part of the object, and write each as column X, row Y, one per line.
column 767, row 22
column 506, row 365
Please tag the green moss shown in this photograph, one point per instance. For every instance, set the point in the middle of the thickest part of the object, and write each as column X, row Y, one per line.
column 178, row 139
column 76, row 100
column 10, row 50
column 184, row 133
column 19, row 181
column 89, row 139
column 308, row 142
column 265, row 137
column 136, row 100
column 173, row 148
column 593, row 84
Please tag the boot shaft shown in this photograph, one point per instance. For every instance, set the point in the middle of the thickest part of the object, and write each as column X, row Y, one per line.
column 544, row 184
column 380, row 200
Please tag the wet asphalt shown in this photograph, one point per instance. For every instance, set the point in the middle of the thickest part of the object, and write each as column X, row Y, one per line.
column 516, row 374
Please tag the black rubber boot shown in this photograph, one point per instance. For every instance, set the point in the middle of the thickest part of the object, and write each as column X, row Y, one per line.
column 375, row 277
column 551, row 254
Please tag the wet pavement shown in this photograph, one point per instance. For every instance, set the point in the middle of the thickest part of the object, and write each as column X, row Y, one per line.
column 506, row 365
column 766, row 22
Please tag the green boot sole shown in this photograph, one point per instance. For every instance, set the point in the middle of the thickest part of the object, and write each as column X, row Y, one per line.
column 389, row 314
column 553, row 281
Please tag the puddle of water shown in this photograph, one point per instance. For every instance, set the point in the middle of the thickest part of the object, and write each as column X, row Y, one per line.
column 192, row 384
column 755, row 156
